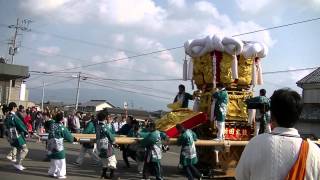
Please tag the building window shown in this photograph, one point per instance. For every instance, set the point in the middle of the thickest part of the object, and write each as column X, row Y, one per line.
column 13, row 84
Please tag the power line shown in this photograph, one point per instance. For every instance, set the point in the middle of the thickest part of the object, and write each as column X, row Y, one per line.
column 78, row 59
column 84, row 41
column 277, row 27
column 141, row 80
column 121, row 59
column 128, row 84
column 178, row 47
column 53, row 83
column 132, row 87
column 179, row 79
column 145, row 94
column 290, row 70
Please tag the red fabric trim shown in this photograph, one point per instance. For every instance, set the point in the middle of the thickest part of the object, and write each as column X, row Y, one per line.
column 189, row 124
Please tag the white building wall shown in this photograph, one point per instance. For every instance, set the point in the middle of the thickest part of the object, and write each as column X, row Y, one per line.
column 102, row 106
column 311, row 95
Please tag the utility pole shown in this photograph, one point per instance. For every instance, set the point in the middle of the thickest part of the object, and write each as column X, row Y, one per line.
column 13, row 49
column 78, row 89
column 42, row 99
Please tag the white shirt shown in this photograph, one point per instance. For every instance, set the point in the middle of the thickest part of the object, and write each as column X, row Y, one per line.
column 269, row 156
column 76, row 122
column 118, row 125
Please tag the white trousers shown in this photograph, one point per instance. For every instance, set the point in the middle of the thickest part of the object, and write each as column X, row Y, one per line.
column 13, row 153
column 221, row 128
column 57, row 167
column 91, row 152
column 110, row 162
column 257, row 128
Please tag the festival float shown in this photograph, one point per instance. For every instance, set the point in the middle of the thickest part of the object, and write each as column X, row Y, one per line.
column 209, row 62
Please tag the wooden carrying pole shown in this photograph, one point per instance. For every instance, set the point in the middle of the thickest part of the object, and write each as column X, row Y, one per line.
column 172, row 141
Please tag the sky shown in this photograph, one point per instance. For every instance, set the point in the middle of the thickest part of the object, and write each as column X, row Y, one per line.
column 68, row 33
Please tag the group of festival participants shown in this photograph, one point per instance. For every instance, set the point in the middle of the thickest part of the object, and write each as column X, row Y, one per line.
column 279, row 154
column 147, row 151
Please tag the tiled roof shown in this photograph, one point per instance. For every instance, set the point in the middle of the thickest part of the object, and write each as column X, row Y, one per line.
column 312, row 78
column 95, row 103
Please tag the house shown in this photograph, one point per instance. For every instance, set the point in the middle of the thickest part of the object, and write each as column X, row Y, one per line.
column 94, row 106
column 310, row 117
column 138, row 114
column 16, row 90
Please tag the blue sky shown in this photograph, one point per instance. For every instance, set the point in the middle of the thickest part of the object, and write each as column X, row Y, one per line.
column 124, row 28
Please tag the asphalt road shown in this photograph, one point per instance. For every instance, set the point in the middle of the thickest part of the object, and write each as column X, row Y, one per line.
column 37, row 168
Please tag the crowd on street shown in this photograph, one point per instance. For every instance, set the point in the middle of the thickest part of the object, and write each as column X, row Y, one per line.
column 277, row 154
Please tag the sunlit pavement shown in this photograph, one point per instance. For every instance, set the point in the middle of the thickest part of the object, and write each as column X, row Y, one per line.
column 37, row 168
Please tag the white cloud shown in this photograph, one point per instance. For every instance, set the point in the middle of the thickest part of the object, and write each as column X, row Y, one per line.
column 265, row 6
column 46, row 66
column 69, row 11
column 119, row 39
column 132, row 13
column 162, row 62
column 49, row 50
column 177, row 3
column 252, row 6
column 296, row 76
column 276, row 20
column 144, row 16
column 96, row 59
column 221, row 24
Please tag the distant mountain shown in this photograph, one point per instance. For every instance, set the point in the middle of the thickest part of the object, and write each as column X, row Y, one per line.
column 116, row 98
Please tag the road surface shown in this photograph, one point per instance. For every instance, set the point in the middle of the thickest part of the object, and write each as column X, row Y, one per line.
column 37, row 168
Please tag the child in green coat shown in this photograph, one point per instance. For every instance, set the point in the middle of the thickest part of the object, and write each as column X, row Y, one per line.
column 188, row 156
column 88, row 147
column 16, row 132
column 152, row 143
column 57, row 134
column 105, row 140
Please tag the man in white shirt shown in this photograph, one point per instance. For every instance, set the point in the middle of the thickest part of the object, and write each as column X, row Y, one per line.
column 76, row 122
column 272, row 155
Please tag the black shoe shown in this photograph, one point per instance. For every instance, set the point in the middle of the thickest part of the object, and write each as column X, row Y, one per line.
column 104, row 174
column 111, row 173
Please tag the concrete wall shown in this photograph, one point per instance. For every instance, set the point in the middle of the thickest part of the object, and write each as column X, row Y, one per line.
column 15, row 91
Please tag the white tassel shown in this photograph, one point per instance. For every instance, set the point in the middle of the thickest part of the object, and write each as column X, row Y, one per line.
column 214, row 71
column 234, row 67
column 190, row 70
column 251, row 115
column 185, row 70
column 259, row 73
column 213, row 104
column 196, row 104
column 254, row 73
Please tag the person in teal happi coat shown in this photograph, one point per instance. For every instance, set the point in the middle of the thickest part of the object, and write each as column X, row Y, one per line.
column 16, row 131
column 105, row 140
column 188, row 156
column 57, row 134
column 220, row 111
column 139, row 151
column 88, row 147
column 152, row 143
column 262, row 117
